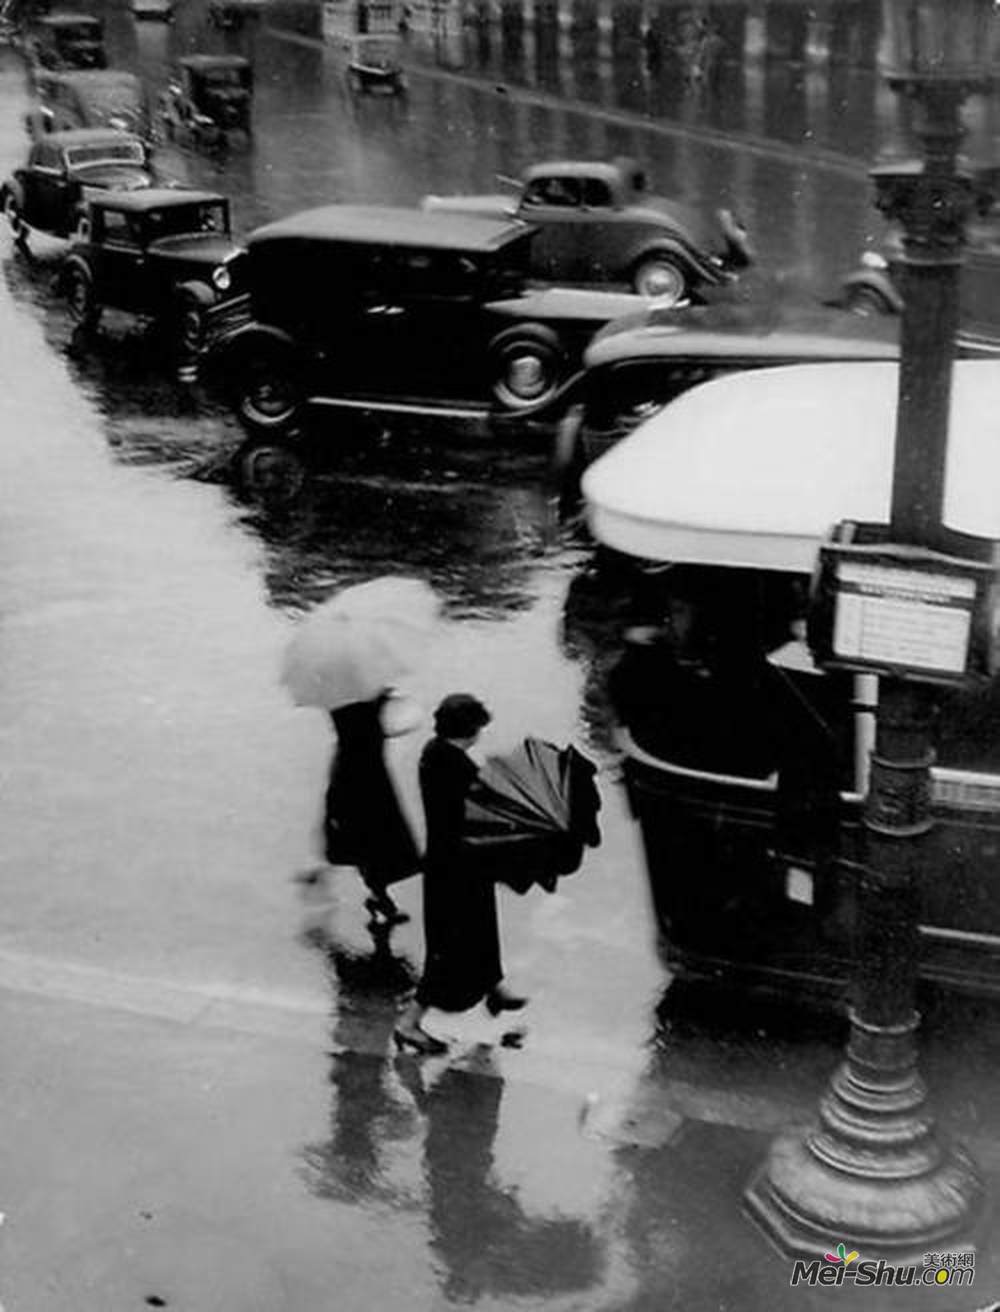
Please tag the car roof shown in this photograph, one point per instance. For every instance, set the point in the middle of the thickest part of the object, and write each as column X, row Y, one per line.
column 720, row 332
column 66, row 19
column 153, row 198
column 214, row 61
column 390, row 225
column 562, row 168
column 85, row 137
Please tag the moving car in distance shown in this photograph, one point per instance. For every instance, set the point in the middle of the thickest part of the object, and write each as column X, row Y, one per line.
column 65, row 171
column 166, row 255
column 875, row 286
column 395, row 311
column 89, row 98
column 67, row 40
column 375, row 64
column 636, row 365
column 209, row 97
column 598, row 224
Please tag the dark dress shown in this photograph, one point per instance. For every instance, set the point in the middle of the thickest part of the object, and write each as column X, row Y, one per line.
column 364, row 825
column 461, row 933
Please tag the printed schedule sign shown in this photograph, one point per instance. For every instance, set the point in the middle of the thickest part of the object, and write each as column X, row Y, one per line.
column 895, row 616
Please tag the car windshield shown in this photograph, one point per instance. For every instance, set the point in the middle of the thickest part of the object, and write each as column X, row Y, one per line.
column 183, row 220
column 223, row 77
column 106, row 152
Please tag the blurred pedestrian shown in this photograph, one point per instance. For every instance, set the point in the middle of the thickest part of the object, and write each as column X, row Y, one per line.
column 462, row 940
column 364, row 825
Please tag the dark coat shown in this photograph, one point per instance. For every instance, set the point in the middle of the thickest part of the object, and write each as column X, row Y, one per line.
column 461, row 933
column 364, row 825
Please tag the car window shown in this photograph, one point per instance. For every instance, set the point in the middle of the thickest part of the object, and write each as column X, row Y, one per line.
column 596, row 193
column 107, row 152
column 559, row 192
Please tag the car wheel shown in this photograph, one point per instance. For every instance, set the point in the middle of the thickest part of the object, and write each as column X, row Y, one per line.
column 187, row 329
column 526, row 367
column 866, row 302
column 12, row 212
column 269, row 472
column 80, row 300
column 270, row 395
column 661, row 279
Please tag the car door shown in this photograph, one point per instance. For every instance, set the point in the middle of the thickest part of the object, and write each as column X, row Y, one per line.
column 119, row 259
column 416, row 335
column 46, row 189
column 555, row 206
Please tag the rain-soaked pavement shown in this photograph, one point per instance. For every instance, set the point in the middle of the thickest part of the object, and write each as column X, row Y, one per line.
column 205, row 1110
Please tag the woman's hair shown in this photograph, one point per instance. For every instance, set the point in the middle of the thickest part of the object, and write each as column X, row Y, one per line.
column 460, row 715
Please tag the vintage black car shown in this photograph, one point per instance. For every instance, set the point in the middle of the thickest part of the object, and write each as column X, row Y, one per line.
column 66, row 40
column 166, row 255
column 89, row 98
column 599, row 224
column 375, row 308
column 209, row 98
column 636, row 365
column 65, row 171
column 375, row 64
column 875, row 286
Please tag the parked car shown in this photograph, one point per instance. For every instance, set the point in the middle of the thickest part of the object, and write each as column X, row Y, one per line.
column 209, row 97
column 874, row 287
column 165, row 255
column 380, row 309
column 89, row 98
column 635, row 366
column 375, row 64
column 63, row 174
column 66, row 40
column 598, row 224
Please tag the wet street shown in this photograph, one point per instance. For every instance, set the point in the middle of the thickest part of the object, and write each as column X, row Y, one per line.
column 204, row 1110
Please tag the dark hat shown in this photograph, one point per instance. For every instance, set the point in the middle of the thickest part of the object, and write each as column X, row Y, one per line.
column 460, row 715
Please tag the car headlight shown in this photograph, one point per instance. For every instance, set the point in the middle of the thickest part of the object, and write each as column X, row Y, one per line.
column 222, row 278
column 872, row 260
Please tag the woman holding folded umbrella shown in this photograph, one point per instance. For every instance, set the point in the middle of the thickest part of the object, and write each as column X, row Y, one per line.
column 462, row 953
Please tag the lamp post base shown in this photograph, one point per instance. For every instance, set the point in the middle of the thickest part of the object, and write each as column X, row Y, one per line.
column 806, row 1207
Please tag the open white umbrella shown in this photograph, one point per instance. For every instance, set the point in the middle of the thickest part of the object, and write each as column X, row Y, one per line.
column 360, row 642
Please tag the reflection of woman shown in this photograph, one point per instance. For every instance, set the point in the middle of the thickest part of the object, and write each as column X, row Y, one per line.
column 364, row 825
column 462, row 939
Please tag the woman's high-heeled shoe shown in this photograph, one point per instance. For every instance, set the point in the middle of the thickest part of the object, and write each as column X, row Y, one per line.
column 419, row 1041
column 498, row 1000
column 384, row 911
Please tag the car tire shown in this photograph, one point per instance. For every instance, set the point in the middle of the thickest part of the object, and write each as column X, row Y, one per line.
column 866, row 302
column 269, row 472
column 187, row 325
column 269, row 396
column 12, row 213
column 78, row 288
column 526, row 366
column 661, row 279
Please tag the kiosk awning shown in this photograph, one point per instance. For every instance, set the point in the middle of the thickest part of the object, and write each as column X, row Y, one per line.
column 754, row 468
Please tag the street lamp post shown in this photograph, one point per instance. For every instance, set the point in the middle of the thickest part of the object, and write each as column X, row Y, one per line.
column 873, row 1170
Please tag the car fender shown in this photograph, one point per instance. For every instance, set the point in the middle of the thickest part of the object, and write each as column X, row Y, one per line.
column 673, row 248
column 879, row 281
column 234, row 348
column 72, row 261
column 199, row 291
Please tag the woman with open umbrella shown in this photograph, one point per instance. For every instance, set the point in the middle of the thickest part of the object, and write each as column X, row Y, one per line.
column 462, row 939
column 345, row 657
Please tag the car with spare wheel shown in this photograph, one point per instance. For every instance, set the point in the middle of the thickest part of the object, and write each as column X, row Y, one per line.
column 598, row 223
column 64, row 171
column 383, row 311
column 67, row 40
column 166, row 255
